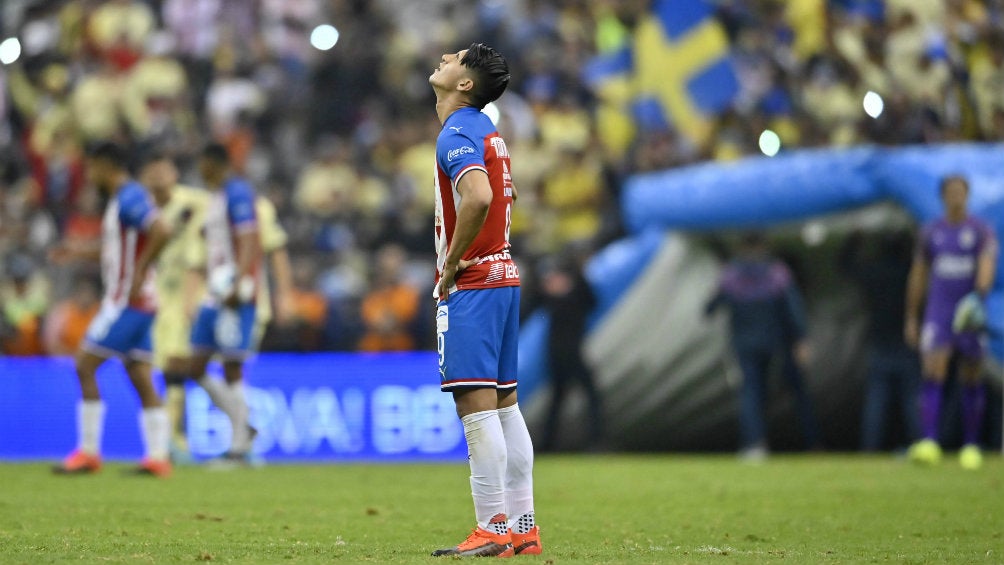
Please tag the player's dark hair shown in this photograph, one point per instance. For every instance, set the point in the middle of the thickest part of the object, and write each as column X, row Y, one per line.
column 217, row 153
column 110, row 153
column 491, row 73
column 157, row 156
column 949, row 179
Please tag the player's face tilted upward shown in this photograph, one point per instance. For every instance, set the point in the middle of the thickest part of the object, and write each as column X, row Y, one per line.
column 450, row 72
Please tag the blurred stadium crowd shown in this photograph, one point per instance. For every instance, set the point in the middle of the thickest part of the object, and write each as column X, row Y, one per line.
column 342, row 140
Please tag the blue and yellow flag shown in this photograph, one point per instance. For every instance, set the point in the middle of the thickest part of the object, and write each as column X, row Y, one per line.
column 674, row 71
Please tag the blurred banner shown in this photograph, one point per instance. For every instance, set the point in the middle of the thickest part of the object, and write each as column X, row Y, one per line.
column 325, row 407
column 665, row 370
column 673, row 70
column 763, row 192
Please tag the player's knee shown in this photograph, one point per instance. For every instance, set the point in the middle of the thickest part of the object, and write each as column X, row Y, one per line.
column 86, row 367
column 970, row 373
column 473, row 400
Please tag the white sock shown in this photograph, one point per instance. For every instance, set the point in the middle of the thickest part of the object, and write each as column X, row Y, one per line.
column 156, row 428
column 218, row 392
column 90, row 425
column 241, row 442
column 519, row 469
column 487, row 450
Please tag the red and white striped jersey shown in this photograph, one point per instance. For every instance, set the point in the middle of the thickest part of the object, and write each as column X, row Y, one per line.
column 468, row 142
column 123, row 238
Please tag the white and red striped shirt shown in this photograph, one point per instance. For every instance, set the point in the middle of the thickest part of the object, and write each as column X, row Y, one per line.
column 231, row 212
column 123, row 237
column 468, row 142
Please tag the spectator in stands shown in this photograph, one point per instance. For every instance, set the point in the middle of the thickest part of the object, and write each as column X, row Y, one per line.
column 574, row 192
column 24, row 299
column 880, row 271
column 768, row 323
column 306, row 313
column 66, row 324
column 390, row 308
column 326, row 185
column 119, row 29
column 155, row 98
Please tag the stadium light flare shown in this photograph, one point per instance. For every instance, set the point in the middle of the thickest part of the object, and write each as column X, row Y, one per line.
column 324, row 37
column 492, row 111
column 10, row 50
column 873, row 104
column 814, row 233
column 770, row 143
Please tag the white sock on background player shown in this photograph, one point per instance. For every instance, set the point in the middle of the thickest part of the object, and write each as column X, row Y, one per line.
column 519, row 469
column 241, row 442
column 156, row 427
column 219, row 393
column 487, row 448
column 90, row 425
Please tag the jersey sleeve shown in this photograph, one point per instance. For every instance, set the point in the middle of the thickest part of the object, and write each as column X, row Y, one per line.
column 458, row 154
column 136, row 209
column 272, row 235
column 241, row 208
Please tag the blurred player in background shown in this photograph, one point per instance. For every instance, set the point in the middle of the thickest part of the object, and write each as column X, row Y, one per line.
column 953, row 270
column 181, row 284
column 477, row 288
column 225, row 322
column 132, row 238
column 768, row 323
column 179, row 287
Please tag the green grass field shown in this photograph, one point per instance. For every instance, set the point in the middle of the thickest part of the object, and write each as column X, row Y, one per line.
column 603, row 509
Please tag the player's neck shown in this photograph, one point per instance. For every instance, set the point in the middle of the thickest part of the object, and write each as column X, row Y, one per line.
column 118, row 182
column 216, row 184
column 955, row 218
column 447, row 105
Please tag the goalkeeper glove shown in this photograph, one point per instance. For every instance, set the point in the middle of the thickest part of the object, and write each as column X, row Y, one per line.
column 970, row 315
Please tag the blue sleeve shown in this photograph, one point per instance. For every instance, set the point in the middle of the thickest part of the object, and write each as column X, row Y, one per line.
column 240, row 205
column 136, row 210
column 457, row 153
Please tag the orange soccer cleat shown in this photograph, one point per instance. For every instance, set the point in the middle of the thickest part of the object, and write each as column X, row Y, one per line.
column 528, row 543
column 160, row 468
column 482, row 543
column 78, row 463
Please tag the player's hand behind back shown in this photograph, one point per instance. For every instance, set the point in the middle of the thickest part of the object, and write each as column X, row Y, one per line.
column 449, row 277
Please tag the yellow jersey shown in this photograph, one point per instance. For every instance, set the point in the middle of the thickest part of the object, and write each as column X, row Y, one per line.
column 184, row 216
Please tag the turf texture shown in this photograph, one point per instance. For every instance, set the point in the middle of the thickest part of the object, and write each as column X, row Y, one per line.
column 592, row 509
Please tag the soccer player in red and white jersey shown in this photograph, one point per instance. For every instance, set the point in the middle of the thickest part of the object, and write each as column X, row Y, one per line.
column 132, row 237
column 225, row 322
column 477, row 288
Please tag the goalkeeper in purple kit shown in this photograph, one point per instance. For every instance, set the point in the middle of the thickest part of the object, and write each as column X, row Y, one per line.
column 953, row 270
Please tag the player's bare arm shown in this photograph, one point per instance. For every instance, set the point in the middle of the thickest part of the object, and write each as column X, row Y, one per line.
column 916, row 288
column 159, row 235
column 475, row 199
column 986, row 269
column 283, row 272
column 193, row 283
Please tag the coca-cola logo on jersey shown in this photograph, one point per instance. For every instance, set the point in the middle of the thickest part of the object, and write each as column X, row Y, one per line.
column 465, row 150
